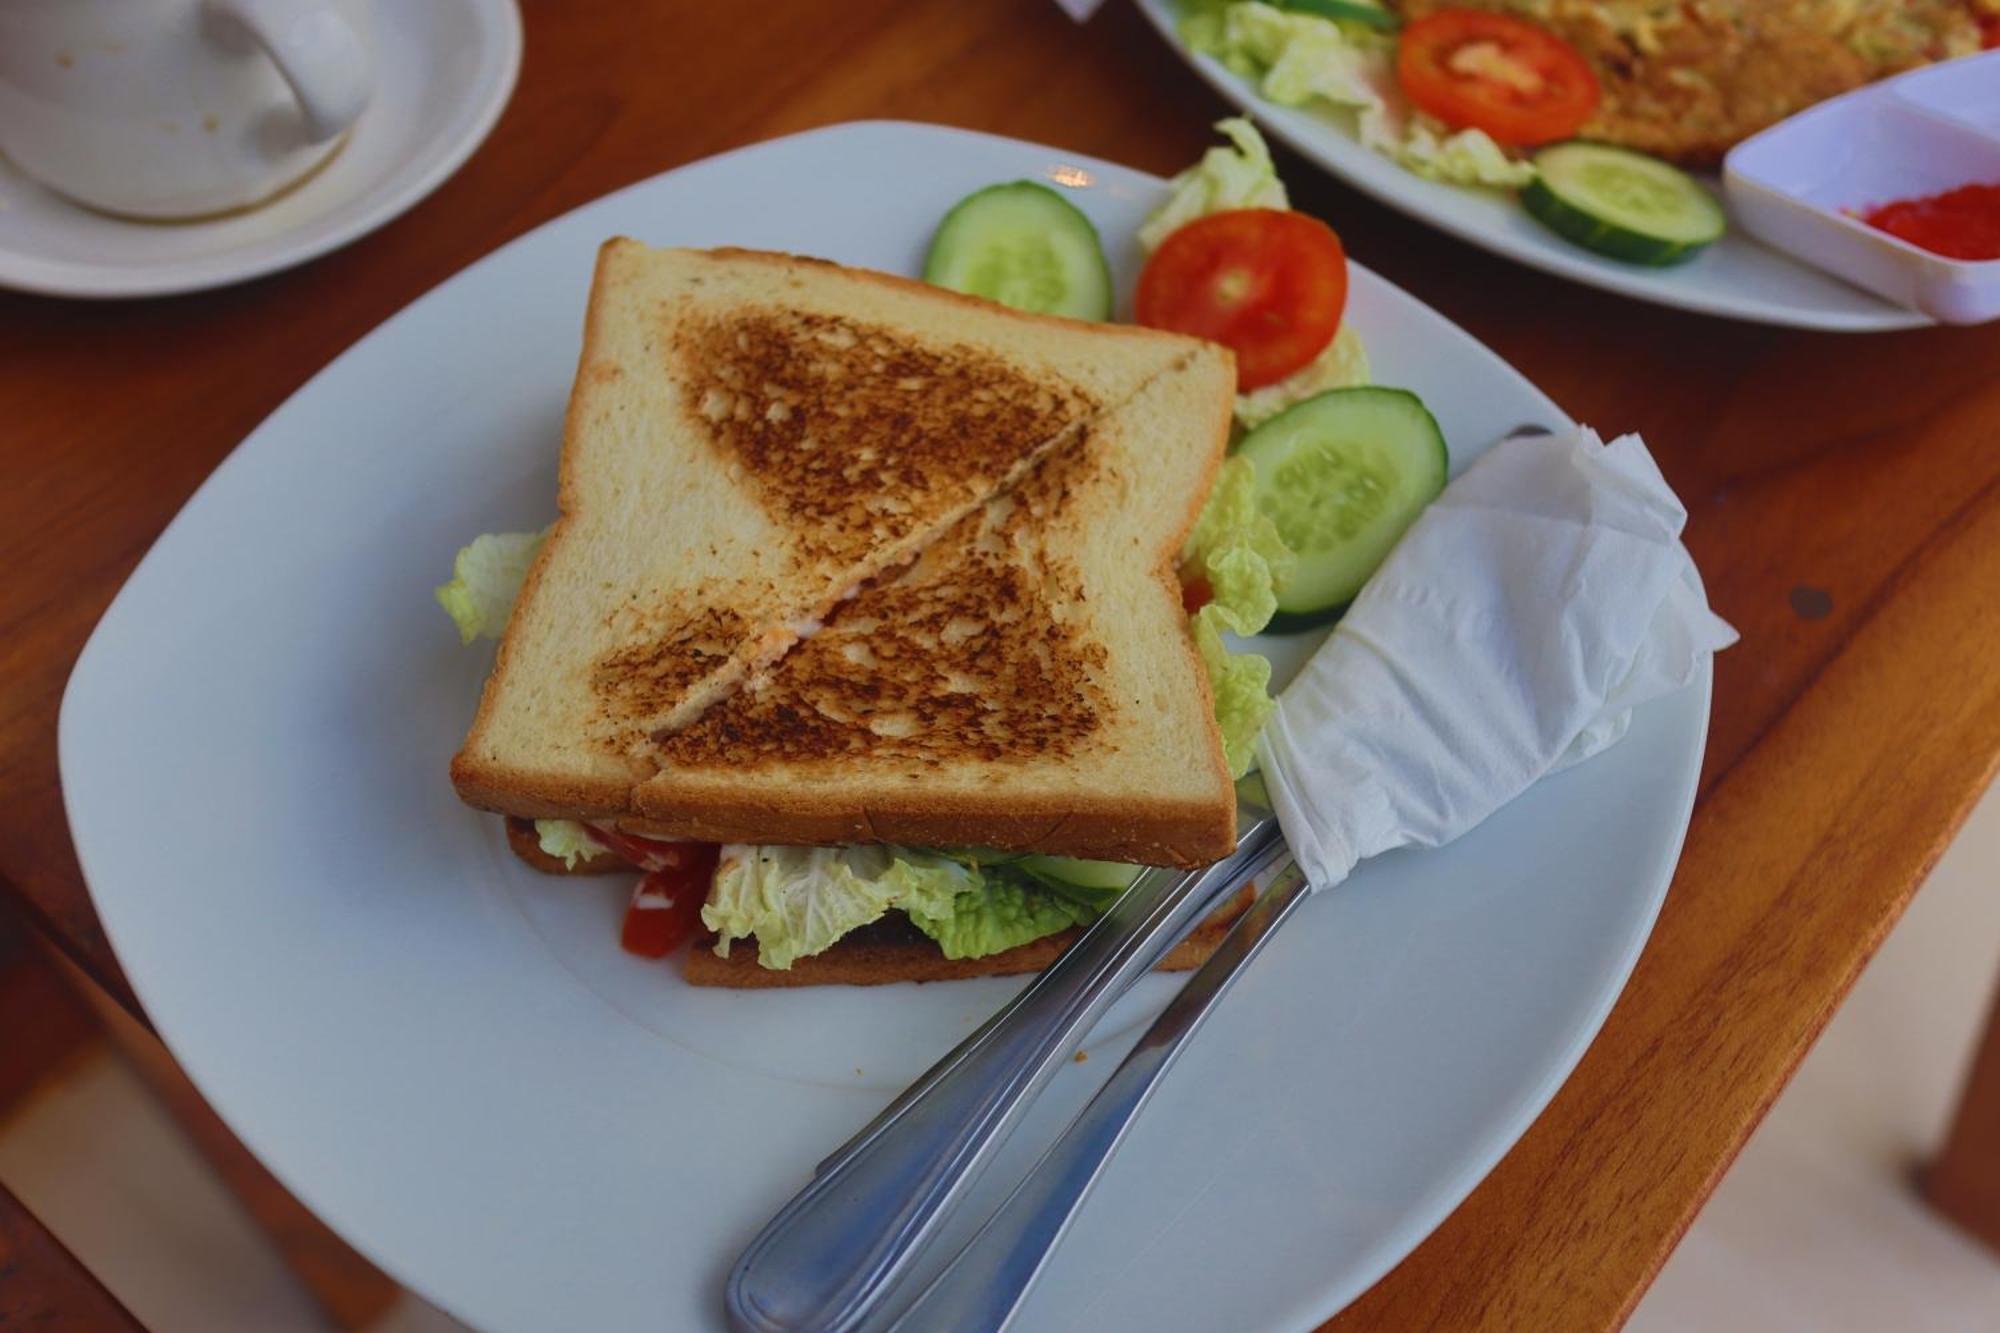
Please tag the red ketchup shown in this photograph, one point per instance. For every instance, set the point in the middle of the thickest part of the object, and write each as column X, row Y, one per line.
column 1958, row 224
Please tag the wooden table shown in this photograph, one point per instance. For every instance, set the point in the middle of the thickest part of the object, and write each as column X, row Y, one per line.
column 1844, row 491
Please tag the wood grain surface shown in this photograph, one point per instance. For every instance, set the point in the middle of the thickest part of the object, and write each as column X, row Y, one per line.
column 1844, row 492
column 43, row 1287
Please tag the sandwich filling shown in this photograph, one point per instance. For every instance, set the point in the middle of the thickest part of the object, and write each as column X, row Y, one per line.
column 794, row 902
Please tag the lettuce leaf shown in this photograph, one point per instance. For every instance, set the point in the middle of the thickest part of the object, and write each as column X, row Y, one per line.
column 797, row 901
column 485, row 579
column 1241, row 684
column 1241, row 176
column 1464, row 157
column 1304, row 60
column 1001, row 916
column 566, row 840
column 1239, row 551
column 1343, row 365
column 1294, row 58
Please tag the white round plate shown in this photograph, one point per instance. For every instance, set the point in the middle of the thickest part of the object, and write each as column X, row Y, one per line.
column 444, row 71
column 447, row 1056
column 1737, row 277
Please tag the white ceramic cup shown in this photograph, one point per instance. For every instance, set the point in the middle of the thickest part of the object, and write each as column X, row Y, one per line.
column 168, row 109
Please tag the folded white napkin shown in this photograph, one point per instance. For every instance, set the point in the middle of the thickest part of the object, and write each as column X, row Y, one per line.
column 1510, row 633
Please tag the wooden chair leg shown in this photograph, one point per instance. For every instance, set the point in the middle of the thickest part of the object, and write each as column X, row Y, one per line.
column 43, row 1287
column 1963, row 1183
column 44, row 1022
column 352, row 1291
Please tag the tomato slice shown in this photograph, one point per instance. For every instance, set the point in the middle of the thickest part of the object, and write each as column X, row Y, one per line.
column 649, row 853
column 1474, row 69
column 665, row 911
column 1268, row 284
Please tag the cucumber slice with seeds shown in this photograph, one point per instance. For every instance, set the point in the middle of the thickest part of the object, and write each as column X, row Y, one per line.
column 1351, row 11
column 1298, row 622
column 1025, row 246
column 1095, row 884
column 1341, row 475
column 1083, row 874
column 1622, row 204
column 979, row 856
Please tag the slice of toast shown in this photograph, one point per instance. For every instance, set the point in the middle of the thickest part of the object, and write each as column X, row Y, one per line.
column 750, row 438
column 894, row 950
column 1029, row 683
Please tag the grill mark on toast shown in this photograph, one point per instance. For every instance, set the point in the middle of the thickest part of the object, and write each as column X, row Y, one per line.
column 961, row 427
column 966, row 655
column 853, row 433
column 651, row 672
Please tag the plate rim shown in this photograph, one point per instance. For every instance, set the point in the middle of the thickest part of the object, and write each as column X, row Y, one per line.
column 1279, row 121
column 501, row 23
column 1324, row 1298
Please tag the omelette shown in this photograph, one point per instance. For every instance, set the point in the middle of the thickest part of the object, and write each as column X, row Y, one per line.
column 1688, row 79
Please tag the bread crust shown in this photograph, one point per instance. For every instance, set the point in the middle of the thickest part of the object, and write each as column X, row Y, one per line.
column 896, row 281
column 1189, row 833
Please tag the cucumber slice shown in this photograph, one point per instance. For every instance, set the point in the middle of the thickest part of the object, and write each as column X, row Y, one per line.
column 1025, row 246
column 1342, row 474
column 979, row 856
column 1350, row 11
column 1097, row 900
column 1071, row 872
column 1622, row 204
column 1298, row 622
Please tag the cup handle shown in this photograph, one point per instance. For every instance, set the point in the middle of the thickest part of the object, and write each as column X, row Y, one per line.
column 322, row 57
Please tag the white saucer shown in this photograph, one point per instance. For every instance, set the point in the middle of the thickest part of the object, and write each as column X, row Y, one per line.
column 444, row 71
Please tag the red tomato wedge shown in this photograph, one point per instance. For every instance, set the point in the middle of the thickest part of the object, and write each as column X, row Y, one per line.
column 650, row 853
column 1473, row 69
column 1270, row 285
column 665, row 911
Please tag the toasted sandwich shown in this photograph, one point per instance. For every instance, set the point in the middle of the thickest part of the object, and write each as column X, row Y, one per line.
column 750, row 439
column 848, row 566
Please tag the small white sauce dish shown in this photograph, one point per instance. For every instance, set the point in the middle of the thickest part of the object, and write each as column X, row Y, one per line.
column 1798, row 185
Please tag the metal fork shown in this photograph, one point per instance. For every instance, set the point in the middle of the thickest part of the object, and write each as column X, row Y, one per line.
column 836, row 1251
column 982, row 1287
